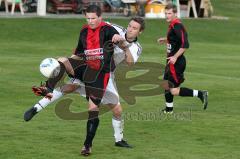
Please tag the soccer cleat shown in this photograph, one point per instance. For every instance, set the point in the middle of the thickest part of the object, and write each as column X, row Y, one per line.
column 123, row 143
column 204, row 99
column 42, row 91
column 168, row 110
column 86, row 151
column 29, row 114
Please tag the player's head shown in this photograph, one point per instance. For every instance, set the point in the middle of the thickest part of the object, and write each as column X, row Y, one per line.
column 170, row 12
column 135, row 27
column 93, row 15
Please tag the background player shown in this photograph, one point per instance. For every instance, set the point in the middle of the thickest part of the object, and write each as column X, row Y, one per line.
column 177, row 43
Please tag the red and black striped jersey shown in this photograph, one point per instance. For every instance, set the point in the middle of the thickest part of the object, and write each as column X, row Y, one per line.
column 95, row 46
column 176, row 37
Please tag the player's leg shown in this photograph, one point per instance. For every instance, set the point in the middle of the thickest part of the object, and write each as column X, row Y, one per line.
column 13, row 7
column 44, row 102
column 68, row 65
column 188, row 92
column 117, row 121
column 92, row 125
column 176, row 76
column 118, row 126
column 111, row 98
column 168, row 96
column 21, row 7
column 6, row 6
column 94, row 94
column 169, row 102
column 183, row 91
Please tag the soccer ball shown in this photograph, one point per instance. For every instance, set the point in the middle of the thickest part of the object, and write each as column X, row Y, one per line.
column 49, row 67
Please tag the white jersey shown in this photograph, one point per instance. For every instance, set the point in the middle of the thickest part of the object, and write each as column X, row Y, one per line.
column 135, row 48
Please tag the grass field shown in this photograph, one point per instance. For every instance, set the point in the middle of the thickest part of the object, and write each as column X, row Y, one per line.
column 213, row 64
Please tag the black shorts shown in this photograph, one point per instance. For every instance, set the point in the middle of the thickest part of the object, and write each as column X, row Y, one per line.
column 79, row 68
column 175, row 73
column 95, row 90
column 95, row 80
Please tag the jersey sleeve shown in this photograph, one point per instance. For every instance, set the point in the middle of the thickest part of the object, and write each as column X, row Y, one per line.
column 182, row 35
column 110, row 31
column 136, row 51
column 79, row 49
column 120, row 29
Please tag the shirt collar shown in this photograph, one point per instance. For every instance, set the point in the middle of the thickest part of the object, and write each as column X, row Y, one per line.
column 135, row 40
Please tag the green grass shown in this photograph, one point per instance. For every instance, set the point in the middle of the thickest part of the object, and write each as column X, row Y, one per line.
column 226, row 8
column 213, row 64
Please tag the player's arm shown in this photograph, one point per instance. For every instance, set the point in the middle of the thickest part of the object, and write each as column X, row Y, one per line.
column 128, row 57
column 78, row 52
column 112, row 33
column 132, row 53
column 79, row 49
column 69, row 88
column 173, row 59
column 124, row 45
column 182, row 37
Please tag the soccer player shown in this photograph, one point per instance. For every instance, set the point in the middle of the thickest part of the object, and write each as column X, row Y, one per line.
column 130, row 54
column 177, row 44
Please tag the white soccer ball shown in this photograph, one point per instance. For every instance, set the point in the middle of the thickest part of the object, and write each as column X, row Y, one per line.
column 50, row 67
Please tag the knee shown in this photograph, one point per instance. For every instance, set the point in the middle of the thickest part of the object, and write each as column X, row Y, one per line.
column 62, row 59
column 92, row 106
column 67, row 65
column 69, row 88
column 117, row 111
column 174, row 91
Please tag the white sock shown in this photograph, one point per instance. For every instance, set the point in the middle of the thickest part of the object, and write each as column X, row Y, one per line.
column 169, row 104
column 195, row 93
column 45, row 101
column 118, row 129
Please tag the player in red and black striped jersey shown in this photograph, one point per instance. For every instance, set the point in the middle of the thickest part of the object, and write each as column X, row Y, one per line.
column 95, row 45
column 177, row 43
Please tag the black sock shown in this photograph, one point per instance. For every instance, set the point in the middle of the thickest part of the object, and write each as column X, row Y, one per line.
column 185, row 92
column 168, row 97
column 51, row 82
column 200, row 95
column 92, row 125
column 169, row 109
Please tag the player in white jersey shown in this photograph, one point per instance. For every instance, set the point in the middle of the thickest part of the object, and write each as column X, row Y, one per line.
column 127, row 51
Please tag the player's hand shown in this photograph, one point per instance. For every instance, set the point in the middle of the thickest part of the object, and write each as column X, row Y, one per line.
column 172, row 60
column 162, row 40
column 117, row 38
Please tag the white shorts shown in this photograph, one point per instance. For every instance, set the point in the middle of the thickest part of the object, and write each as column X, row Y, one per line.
column 111, row 95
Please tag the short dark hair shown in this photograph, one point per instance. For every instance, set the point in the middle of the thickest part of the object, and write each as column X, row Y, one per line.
column 140, row 21
column 171, row 6
column 93, row 9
